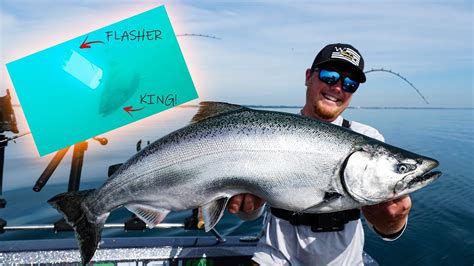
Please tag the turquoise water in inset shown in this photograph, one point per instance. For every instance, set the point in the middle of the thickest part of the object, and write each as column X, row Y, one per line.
column 440, row 228
column 69, row 94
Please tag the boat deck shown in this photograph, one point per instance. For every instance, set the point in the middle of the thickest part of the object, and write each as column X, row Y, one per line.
column 138, row 251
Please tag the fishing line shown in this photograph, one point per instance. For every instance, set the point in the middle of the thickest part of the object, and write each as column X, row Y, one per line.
column 197, row 35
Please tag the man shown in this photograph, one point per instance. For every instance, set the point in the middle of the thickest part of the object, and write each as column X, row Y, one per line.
column 325, row 239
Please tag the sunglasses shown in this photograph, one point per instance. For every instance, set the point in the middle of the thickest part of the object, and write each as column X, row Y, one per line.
column 332, row 77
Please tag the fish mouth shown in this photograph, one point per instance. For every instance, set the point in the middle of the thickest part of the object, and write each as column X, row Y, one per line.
column 424, row 178
column 415, row 183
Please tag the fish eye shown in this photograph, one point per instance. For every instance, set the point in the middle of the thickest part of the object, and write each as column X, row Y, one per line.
column 403, row 168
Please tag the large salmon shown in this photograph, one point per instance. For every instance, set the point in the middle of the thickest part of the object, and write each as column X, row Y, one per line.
column 293, row 162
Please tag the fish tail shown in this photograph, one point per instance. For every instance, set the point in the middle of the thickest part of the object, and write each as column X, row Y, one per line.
column 88, row 233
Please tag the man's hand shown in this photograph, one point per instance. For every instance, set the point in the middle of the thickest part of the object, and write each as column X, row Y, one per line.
column 246, row 203
column 388, row 217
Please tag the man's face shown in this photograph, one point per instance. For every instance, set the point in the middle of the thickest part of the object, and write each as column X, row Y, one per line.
column 324, row 101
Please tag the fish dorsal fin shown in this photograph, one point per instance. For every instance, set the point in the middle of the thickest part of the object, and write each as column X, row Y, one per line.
column 150, row 215
column 212, row 212
column 210, row 109
column 113, row 169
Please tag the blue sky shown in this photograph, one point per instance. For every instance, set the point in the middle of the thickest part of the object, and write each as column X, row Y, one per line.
column 266, row 46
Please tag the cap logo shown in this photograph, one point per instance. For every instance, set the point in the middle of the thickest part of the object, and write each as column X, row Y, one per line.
column 346, row 54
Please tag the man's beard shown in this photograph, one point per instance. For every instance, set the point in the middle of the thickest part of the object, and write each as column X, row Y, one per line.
column 326, row 115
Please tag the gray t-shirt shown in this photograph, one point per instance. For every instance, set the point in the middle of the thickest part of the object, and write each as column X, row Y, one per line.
column 285, row 244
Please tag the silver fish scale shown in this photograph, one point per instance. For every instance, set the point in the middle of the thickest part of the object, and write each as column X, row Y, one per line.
column 281, row 157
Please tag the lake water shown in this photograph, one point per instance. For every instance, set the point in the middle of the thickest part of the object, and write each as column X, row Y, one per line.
column 440, row 227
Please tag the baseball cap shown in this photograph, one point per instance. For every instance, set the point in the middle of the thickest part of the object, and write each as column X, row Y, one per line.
column 341, row 55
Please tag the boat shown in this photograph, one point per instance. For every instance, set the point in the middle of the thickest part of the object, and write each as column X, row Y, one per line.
column 138, row 251
column 209, row 249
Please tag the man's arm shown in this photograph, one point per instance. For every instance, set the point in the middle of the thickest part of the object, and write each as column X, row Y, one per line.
column 389, row 218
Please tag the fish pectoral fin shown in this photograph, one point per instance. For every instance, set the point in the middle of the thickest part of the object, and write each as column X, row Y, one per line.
column 212, row 212
column 328, row 197
column 150, row 215
column 210, row 109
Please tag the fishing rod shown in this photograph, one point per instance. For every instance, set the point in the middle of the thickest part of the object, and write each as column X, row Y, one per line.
column 400, row 76
column 15, row 137
column 7, row 124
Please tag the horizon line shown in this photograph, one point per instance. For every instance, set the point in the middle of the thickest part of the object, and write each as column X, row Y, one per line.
column 350, row 107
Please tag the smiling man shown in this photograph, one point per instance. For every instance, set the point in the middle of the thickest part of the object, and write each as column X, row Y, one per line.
column 330, row 238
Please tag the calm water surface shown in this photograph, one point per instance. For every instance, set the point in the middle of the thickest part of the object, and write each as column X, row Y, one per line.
column 440, row 227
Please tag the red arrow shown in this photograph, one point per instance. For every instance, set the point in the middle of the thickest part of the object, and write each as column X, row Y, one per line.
column 86, row 44
column 129, row 109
